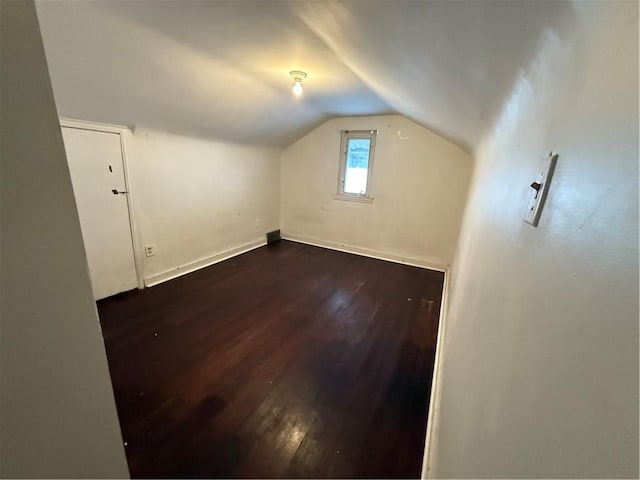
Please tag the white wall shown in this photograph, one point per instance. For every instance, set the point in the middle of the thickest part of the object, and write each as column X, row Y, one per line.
column 419, row 186
column 540, row 371
column 57, row 412
column 197, row 198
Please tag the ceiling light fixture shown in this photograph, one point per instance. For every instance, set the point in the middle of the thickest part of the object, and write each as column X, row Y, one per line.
column 297, row 77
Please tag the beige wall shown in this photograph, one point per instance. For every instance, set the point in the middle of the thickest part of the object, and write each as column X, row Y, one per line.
column 57, row 413
column 541, row 349
column 419, row 186
column 197, row 198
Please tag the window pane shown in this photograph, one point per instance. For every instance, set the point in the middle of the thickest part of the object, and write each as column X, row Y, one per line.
column 357, row 165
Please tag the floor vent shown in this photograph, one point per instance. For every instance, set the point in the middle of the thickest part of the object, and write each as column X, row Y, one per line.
column 273, row 237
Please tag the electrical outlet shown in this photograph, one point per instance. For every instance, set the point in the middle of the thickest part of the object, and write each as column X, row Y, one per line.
column 540, row 187
column 150, row 250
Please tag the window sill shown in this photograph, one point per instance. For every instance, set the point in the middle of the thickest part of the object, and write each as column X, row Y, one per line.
column 353, row 198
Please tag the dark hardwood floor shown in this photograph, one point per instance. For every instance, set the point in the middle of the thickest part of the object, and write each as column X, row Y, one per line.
column 287, row 361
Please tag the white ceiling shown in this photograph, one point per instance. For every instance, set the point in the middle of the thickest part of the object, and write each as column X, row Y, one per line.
column 220, row 69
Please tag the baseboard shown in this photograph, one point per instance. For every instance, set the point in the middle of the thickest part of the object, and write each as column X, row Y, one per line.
column 157, row 278
column 366, row 252
column 433, row 417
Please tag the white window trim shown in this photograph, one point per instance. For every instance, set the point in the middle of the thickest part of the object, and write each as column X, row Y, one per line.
column 345, row 136
column 352, row 197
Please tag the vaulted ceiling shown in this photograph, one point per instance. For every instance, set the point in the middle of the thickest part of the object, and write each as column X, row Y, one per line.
column 220, row 69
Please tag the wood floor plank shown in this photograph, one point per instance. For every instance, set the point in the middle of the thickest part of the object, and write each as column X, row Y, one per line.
column 287, row 361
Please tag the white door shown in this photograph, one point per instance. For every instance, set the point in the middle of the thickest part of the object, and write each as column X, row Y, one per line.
column 97, row 171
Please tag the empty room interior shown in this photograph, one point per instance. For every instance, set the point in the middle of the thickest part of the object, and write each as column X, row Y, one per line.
column 346, row 239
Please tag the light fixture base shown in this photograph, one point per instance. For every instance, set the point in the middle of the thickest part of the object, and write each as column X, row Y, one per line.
column 297, row 75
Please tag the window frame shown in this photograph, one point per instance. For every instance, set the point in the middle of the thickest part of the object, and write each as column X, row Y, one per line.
column 347, row 135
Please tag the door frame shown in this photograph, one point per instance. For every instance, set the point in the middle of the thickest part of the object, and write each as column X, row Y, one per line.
column 124, row 134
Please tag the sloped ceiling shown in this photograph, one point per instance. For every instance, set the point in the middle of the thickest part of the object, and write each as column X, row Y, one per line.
column 220, row 69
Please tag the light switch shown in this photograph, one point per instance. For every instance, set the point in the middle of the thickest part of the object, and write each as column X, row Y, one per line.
column 539, row 189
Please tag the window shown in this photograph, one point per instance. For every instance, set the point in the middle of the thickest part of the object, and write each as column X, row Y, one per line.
column 356, row 159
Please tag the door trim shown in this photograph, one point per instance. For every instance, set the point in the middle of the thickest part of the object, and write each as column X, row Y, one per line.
column 125, row 135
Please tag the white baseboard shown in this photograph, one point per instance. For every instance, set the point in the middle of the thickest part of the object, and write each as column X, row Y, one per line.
column 157, row 278
column 433, row 418
column 366, row 252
